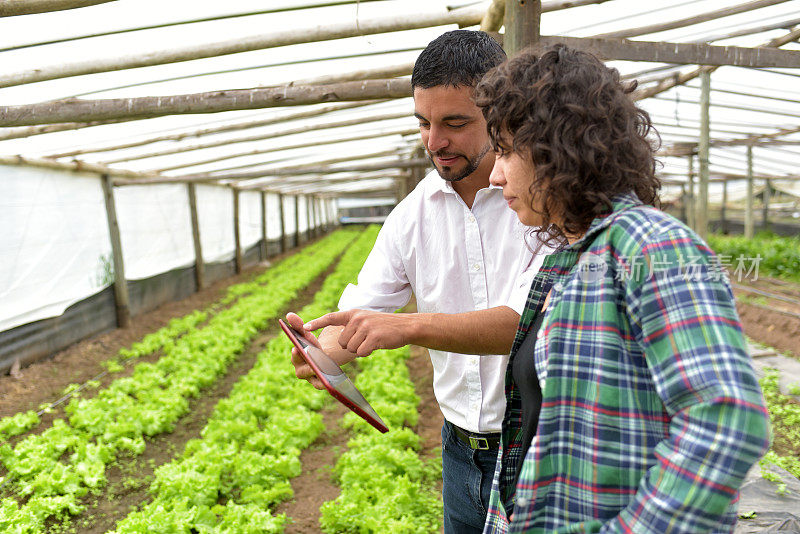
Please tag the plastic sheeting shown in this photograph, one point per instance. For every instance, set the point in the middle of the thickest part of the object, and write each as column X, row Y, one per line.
column 215, row 214
column 55, row 248
column 54, row 244
column 155, row 229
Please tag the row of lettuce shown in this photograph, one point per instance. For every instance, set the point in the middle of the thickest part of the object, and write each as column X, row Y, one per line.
column 228, row 480
column 47, row 475
column 765, row 255
column 385, row 485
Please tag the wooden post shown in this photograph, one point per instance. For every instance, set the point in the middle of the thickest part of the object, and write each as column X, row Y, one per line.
column 236, row 237
column 309, row 217
column 521, row 20
column 722, row 213
column 702, row 155
column 684, row 200
column 748, row 206
column 199, row 266
column 767, row 193
column 282, row 218
column 263, row 225
column 690, row 217
column 296, row 220
column 121, row 298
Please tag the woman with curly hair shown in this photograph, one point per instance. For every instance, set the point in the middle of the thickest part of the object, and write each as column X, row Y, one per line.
column 632, row 405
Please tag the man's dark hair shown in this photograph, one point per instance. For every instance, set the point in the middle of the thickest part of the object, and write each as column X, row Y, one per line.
column 456, row 58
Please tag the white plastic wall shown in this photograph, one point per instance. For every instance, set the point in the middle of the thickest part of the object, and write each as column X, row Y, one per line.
column 54, row 244
column 55, row 248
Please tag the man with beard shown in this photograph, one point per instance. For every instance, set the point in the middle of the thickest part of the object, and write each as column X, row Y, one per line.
column 454, row 243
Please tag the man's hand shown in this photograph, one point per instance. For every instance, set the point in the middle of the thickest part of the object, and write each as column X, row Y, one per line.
column 366, row 331
column 301, row 368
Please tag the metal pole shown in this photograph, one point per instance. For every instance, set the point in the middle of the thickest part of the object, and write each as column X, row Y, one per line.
column 767, row 193
column 282, row 218
column 722, row 214
column 748, row 207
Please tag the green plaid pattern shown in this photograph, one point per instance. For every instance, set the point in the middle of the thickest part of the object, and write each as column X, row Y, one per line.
column 651, row 411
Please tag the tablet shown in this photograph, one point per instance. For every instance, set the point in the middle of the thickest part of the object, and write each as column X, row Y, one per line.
column 333, row 378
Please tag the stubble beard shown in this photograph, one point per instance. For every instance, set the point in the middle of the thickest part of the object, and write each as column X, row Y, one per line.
column 472, row 166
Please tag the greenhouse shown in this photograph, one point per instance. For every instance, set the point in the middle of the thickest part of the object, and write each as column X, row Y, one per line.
column 177, row 176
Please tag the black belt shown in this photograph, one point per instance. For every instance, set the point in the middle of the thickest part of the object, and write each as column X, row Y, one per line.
column 476, row 441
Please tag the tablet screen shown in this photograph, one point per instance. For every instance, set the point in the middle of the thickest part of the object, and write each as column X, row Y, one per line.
column 333, row 377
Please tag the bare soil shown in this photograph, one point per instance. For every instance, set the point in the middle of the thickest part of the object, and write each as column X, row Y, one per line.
column 773, row 321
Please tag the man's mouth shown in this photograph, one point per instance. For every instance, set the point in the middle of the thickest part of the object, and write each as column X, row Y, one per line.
column 446, row 161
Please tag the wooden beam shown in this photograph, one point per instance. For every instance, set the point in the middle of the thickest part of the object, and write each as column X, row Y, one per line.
column 680, row 53
column 199, row 265
column 297, row 220
column 691, row 21
column 282, row 219
column 11, row 8
column 121, row 298
column 493, row 19
column 263, row 225
column 671, row 81
column 314, row 143
column 75, row 110
column 522, row 18
column 74, row 166
column 30, row 131
column 261, row 137
column 748, row 203
column 237, row 239
column 242, row 125
column 287, row 170
column 469, row 16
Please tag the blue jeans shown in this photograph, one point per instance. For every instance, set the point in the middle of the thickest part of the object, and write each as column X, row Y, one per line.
column 467, row 482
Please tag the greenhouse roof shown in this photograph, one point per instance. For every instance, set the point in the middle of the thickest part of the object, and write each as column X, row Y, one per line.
column 312, row 96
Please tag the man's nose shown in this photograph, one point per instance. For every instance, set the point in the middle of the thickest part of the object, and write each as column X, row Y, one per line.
column 437, row 140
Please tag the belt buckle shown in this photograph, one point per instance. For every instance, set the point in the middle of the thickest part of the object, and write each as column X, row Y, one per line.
column 479, row 444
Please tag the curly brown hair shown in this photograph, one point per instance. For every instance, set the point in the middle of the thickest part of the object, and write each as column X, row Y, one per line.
column 572, row 117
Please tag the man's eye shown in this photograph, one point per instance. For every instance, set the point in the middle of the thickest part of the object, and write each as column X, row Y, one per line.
column 424, row 125
column 457, row 124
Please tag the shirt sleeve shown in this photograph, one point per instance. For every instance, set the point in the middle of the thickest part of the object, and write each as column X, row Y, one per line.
column 682, row 312
column 382, row 284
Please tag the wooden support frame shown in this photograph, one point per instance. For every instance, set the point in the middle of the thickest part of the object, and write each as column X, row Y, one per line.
column 282, row 219
column 201, row 132
column 296, row 220
column 679, row 53
column 468, row 16
column 237, row 238
column 263, row 136
column 765, row 212
column 78, row 110
column 702, row 155
column 264, row 248
column 11, row 8
column 691, row 21
column 199, row 264
column 521, row 20
column 748, row 206
column 121, row 297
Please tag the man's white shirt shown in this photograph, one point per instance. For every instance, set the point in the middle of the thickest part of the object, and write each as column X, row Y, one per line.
column 454, row 260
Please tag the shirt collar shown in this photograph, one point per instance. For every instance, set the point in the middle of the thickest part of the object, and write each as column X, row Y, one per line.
column 619, row 202
column 437, row 184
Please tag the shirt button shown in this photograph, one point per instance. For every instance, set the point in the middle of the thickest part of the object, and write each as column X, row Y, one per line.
column 471, row 218
column 558, row 286
column 476, row 267
column 522, row 501
column 540, row 334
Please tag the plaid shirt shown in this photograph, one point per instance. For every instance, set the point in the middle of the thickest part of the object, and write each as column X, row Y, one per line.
column 651, row 412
